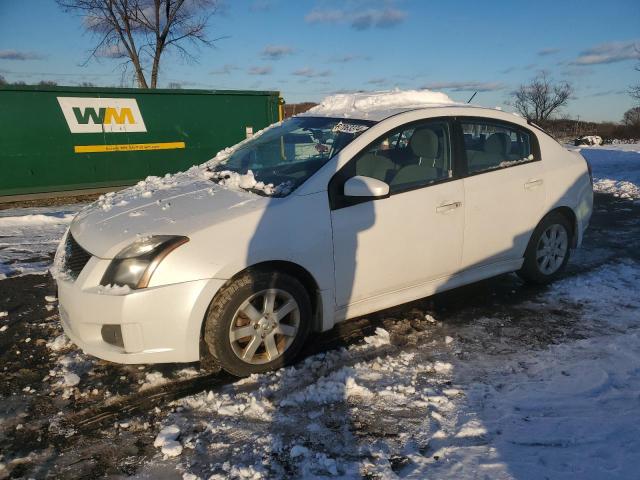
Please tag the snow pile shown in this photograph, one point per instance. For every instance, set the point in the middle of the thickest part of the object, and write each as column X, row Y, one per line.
column 116, row 290
column 143, row 189
column 167, row 441
column 590, row 140
column 68, row 370
column 617, row 188
column 153, row 379
column 35, row 220
column 61, row 342
column 28, row 236
column 616, row 169
column 235, row 181
column 380, row 338
column 105, row 202
column 363, row 105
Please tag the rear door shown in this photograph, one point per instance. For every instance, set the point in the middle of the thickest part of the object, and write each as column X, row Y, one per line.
column 504, row 189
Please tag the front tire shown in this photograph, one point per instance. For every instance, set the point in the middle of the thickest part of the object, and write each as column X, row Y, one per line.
column 548, row 251
column 258, row 322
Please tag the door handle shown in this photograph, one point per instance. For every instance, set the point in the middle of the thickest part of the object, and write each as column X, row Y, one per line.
column 445, row 207
column 533, row 183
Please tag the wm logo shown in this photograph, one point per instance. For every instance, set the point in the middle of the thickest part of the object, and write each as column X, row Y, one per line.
column 102, row 115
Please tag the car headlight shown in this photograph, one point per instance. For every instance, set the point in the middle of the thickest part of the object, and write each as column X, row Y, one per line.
column 135, row 264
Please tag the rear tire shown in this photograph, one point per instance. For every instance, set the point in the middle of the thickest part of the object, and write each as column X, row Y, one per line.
column 258, row 322
column 548, row 251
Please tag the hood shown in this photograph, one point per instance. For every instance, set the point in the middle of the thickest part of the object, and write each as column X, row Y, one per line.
column 158, row 206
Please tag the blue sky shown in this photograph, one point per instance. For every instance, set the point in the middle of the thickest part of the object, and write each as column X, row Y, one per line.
column 308, row 49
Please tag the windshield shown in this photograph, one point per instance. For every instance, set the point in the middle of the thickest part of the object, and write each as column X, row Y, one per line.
column 277, row 161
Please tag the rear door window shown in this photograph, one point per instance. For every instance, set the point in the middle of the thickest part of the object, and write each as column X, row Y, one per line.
column 491, row 145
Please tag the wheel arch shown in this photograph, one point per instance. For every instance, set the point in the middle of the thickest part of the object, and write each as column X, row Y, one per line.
column 566, row 212
column 295, row 270
column 304, row 277
column 572, row 218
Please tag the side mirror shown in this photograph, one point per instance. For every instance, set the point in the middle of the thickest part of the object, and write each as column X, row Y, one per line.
column 360, row 186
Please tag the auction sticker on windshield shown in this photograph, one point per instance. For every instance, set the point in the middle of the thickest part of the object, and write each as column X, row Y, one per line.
column 342, row 127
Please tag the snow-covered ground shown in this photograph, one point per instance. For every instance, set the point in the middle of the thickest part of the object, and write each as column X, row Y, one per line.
column 616, row 169
column 28, row 236
column 518, row 383
column 467, row 406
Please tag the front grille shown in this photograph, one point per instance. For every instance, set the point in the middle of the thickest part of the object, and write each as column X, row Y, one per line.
column 75, row 257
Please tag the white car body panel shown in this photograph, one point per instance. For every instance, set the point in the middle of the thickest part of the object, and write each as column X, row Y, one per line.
column 501, row 213
column 362, row 258
column 378, row 251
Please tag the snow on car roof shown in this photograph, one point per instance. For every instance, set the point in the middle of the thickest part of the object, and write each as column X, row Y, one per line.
column 379, row 105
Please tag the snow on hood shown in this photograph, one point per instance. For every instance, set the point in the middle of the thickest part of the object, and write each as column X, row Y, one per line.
column 174, row 204
column 378, row 105
column 113, row 222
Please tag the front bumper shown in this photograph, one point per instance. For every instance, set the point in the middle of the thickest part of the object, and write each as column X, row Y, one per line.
column 156, row 325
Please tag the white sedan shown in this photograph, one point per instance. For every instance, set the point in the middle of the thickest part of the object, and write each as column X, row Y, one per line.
column 327, row 216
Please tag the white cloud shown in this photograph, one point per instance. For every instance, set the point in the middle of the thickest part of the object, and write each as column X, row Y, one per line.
column 609, row 53
column 466, row 86
column 325, row 16
column 275, row 52
column 19, row 55
column 111, row 51
column 226, row 69
column 261, row 5
column 347, row 58
column 548, row 51
column 311, row 72
column 359, row 19
column 386, row 18
column 581, row 71
column 260, row 70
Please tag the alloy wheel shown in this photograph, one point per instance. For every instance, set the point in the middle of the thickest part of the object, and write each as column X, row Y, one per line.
column 264, row 326
column 552, row 249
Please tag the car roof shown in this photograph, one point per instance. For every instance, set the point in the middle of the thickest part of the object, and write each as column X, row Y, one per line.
column 377, row 106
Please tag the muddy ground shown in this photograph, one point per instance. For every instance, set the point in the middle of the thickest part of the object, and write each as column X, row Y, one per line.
column 105, row 425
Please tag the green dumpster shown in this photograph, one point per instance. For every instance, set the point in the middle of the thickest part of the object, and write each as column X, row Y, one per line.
column 61, row 139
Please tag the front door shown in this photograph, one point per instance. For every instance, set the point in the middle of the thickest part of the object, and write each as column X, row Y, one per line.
column 414, row 235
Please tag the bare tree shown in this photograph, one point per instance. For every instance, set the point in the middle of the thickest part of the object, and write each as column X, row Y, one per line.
column 140, row 31
column 634, row 91
column 2, row 81
column 538, row 99
column 632, row 117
